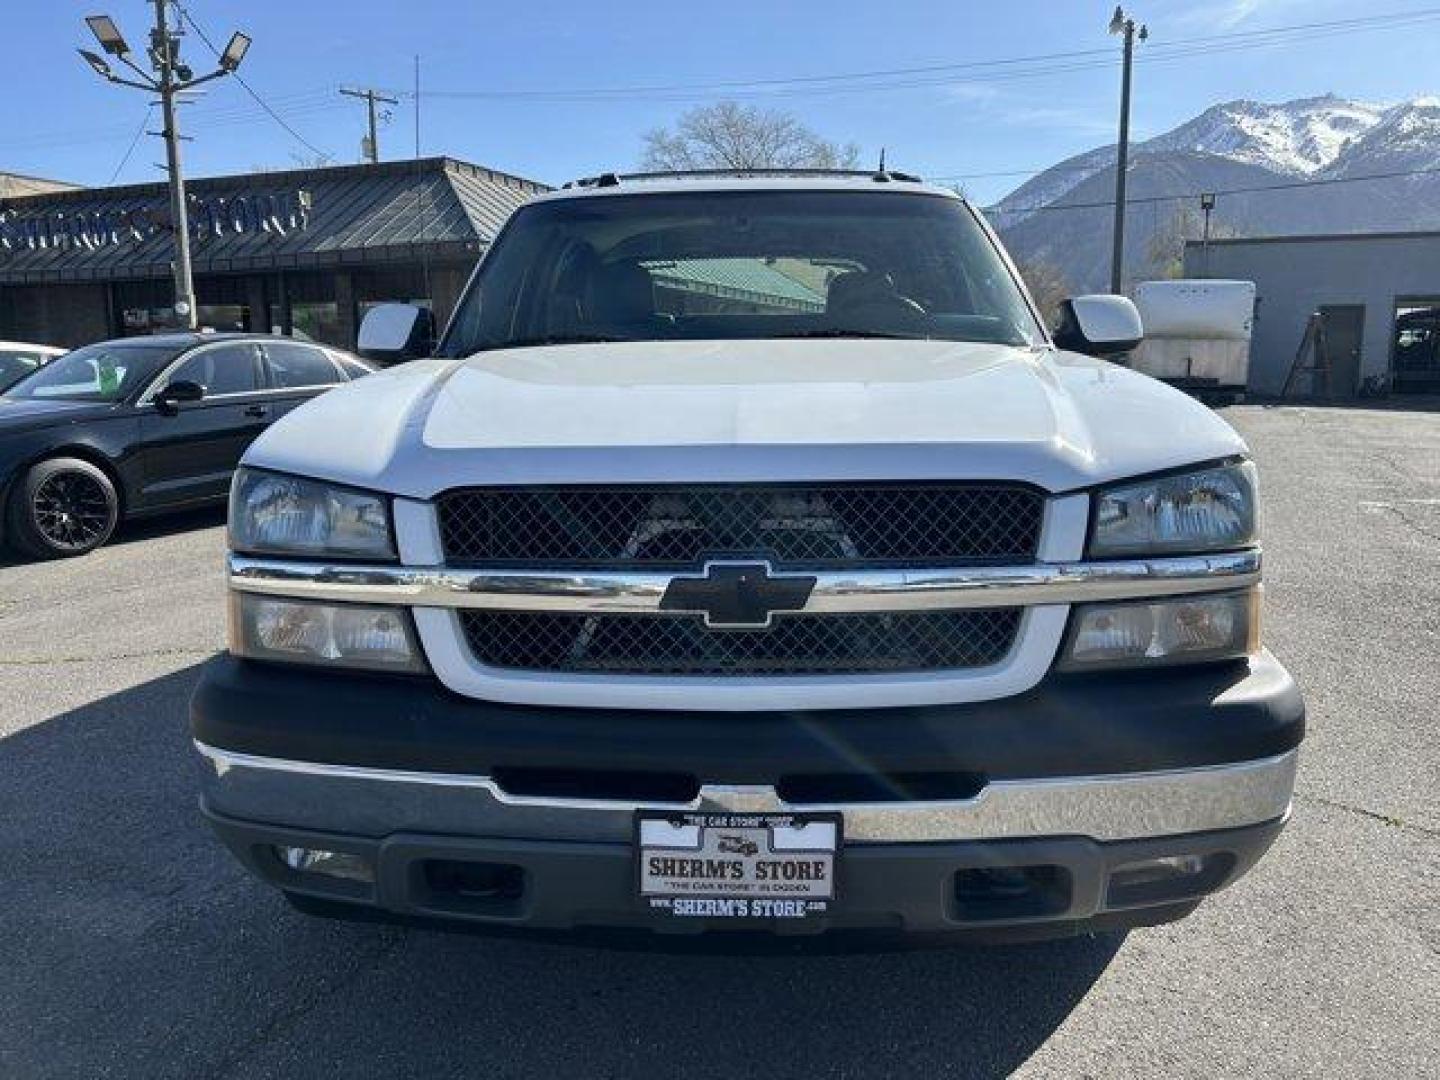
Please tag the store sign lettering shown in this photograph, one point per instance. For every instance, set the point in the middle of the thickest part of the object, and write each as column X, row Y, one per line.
column 208, row 216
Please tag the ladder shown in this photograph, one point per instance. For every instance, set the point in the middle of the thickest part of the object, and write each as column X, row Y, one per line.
column 1312, row 358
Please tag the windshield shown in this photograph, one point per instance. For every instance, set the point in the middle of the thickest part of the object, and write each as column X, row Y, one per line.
column 15, row 364
column 743, row 264
column 103, row 372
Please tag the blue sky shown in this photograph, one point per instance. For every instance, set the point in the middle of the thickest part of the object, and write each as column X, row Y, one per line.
column 66, row 123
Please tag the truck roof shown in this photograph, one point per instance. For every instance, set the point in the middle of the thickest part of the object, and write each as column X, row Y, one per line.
column 746, row 180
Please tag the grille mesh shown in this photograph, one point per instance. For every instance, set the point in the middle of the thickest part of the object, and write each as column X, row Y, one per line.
column 794, row 645
column 834, row 525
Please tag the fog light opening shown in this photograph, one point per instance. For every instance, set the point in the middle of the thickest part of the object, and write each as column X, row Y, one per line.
column 1167, row 878
column 332, row 864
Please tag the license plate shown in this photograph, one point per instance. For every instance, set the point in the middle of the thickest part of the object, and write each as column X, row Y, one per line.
column 737, row 866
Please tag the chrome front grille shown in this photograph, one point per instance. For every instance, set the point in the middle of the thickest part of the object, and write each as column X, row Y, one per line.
column 683, row 645
column 851, row 525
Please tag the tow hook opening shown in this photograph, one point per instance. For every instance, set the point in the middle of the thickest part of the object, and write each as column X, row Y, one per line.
column 477, row 888
column 989, row 893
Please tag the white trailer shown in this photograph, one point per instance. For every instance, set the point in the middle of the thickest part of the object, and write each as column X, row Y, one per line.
column 1197, row 333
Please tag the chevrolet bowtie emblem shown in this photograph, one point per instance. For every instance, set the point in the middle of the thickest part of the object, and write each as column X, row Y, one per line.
column 738, row 596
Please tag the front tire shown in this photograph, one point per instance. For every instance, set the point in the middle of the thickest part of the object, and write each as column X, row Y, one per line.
column 61, row 508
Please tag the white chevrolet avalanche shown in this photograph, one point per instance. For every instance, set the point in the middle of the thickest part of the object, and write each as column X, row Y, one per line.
column 749, row 556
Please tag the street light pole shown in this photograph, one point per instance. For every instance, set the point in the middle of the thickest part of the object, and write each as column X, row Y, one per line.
column 1207, row 204
column 1123, row 25
column 171, row 77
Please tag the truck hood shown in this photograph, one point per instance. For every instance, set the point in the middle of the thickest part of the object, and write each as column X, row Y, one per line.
column 745, row 411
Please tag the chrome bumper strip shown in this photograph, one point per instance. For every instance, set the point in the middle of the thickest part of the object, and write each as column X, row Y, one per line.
column 835, row 592
column 1116, row 807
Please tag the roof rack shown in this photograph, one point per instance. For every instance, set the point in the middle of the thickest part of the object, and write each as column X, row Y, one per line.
column 612, row 179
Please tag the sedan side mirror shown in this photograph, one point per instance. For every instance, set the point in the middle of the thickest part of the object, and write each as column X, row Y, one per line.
column 1103, row 326
column 176, row 393
column 394, row 333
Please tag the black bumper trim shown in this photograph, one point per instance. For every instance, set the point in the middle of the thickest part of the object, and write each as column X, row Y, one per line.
column 902, row 888
column 1100, row 724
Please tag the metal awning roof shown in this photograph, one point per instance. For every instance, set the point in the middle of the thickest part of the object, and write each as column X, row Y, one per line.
column 329, row 217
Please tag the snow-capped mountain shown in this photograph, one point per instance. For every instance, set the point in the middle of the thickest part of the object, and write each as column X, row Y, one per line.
column 1405, row 138
column 1297, row 138
column 1238, row 144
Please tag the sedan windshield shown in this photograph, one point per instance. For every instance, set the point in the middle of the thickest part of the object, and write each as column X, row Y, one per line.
column 103, row 372
column 742, row 264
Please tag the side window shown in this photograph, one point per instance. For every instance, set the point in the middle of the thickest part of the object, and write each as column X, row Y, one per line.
column 294, row 366
column 226, row 369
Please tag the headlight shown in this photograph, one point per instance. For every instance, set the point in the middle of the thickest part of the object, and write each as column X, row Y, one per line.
column 1184, row 630
column 328, row 635
column 275, row 514
column 1210, row 510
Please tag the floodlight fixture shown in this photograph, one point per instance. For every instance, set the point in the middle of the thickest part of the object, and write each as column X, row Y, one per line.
column 97, row 62
column 107, row 34
column 235, row 51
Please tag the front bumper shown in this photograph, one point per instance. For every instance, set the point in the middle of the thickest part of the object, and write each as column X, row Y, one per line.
column 1074, row 884
column 1066, row 784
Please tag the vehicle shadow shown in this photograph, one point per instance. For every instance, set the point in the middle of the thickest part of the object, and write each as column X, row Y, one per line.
column 134, row 945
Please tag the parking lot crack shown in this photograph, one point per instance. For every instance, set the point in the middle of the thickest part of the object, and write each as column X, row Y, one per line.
column 1384, row 819
column 284, row 1020
column 1404, row 517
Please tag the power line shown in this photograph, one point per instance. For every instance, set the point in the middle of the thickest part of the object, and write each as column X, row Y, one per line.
column 940, row 74
column 134, row 142
column 258, row 99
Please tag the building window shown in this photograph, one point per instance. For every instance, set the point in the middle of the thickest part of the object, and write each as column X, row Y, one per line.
column 222, row 316
column 316, row 320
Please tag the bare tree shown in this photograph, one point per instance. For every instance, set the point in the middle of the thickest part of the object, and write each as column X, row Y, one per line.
column 1165, row 254
column 1047, row 285
column 732, row 136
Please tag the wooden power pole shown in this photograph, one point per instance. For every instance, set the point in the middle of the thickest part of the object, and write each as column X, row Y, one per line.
column 372, row 144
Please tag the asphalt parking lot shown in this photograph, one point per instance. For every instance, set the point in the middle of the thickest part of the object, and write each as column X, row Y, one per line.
column 131, row 944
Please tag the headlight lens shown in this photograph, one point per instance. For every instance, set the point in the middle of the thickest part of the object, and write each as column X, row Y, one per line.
column 1183, row 630
column 272, row 513
column 1211, row 510
column 329, row 635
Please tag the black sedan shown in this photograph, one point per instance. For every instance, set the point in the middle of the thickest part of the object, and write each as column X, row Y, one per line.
column 142, row 426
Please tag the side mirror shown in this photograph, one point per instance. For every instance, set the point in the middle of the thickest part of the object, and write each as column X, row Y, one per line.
column 1103, row 326
column 394, row 333
column 176, row 393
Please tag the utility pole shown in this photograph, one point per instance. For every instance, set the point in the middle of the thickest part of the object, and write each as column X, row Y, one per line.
column 1125, row 26
column 372, row 145
column 165, row 53
column 171, row 78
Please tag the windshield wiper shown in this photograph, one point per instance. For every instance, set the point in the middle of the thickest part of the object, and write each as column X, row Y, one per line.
column 838, row 333
column 558, row 339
